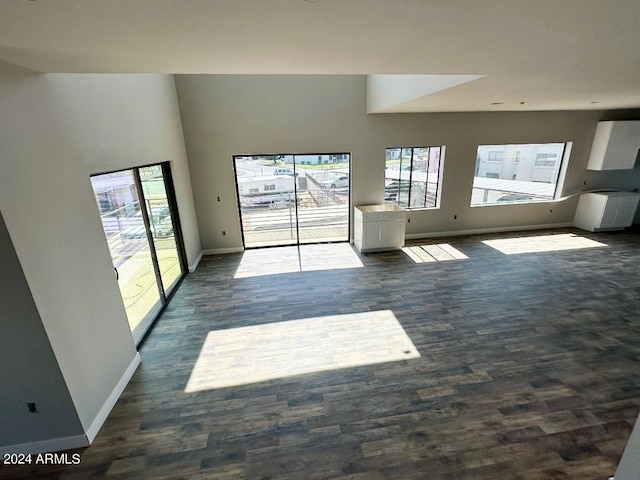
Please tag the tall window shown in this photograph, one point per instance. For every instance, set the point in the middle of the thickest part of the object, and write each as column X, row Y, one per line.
column 526, row 173
column 413, row 176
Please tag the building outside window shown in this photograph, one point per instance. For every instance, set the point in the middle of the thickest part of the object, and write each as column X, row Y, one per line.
column 546, row 159
column 495, row 156
column 526, row 173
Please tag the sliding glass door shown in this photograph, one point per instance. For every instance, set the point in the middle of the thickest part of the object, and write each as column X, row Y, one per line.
column 141, row 225
column 293, row 199
column 161, row 220
column 323, row 197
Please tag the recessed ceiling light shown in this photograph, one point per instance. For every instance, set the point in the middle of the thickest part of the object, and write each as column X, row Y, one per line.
column 522, row 103
column 595, row 102
column 496, row 103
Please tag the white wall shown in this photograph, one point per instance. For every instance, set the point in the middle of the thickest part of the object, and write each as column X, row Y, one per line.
column 629, row 466
column 28, row 374
column 226, row 115
column 55, row 130
column 120, row 121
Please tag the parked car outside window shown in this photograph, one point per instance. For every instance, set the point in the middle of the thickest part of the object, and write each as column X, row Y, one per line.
column 161, row 224
column 514, row 197
column 284, row 171
column 338, row 182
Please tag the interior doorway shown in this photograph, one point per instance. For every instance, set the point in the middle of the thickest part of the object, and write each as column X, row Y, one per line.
column 140, row 220
column 293, row 199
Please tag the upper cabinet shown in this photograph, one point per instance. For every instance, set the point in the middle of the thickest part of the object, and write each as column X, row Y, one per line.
column 615, row 146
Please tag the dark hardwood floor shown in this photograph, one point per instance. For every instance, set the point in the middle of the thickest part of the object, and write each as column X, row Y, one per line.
column 525, row 366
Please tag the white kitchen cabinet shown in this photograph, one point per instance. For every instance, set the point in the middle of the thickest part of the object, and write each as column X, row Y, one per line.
column 606, row 211
column 378, row 227
column 615, row 146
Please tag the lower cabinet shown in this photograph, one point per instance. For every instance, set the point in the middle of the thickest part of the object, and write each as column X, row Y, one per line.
column 379, row 227
column 606, row 211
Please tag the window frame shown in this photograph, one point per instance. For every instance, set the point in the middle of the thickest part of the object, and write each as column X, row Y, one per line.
column 563, row 157
column 408, row 185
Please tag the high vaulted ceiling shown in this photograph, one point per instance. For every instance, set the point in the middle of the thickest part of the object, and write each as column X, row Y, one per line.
column 527, row 54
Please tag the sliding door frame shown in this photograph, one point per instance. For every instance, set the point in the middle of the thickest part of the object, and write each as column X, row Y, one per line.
column 167, row 177
column 297, row 243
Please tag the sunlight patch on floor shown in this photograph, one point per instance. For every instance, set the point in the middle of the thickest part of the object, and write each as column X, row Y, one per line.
column 440, row 252
column 244, row 355
column 307, row 258
column 542, row 243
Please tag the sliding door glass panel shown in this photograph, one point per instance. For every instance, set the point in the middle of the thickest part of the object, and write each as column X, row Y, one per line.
column 293, row 199
column 267, row 199
column 122, row 219
column 323, row 185
column 162, row 225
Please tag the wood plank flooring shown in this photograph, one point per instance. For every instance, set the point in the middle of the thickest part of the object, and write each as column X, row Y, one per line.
column 527, row 368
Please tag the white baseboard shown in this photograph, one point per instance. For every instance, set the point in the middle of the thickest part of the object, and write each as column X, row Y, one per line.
column 46, row 446
column 79, row 441
column 413, row 236
column 218, row 251
column 108, row 405
column 194, row 265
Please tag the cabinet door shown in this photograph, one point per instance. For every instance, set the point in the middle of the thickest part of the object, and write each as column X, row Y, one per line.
column 395, row 233
column 609, row 216
column 629, row 139
column 372, row 235
column 615, row 146
column 619, row 212
column 590, row 211
column 614, row 157
column 625, row 214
